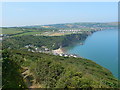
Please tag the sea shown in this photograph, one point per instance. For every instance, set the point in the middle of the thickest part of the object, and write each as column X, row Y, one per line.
column 100, row 47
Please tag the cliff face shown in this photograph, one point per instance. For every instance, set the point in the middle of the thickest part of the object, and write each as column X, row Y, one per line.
column 73, row 38
column 67, row 40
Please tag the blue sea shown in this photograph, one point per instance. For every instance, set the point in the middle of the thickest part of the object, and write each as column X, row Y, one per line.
column 100, row 47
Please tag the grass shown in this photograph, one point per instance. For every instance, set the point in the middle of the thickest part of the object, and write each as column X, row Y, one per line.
column 56, row 33
column 28, row 33
column 10, row 31
column 19, row 31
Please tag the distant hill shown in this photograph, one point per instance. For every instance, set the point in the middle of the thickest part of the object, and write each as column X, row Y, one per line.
column 56, row 28
column 76, row 25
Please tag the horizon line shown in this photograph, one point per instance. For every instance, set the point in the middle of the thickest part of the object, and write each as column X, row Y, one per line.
column 57, row 23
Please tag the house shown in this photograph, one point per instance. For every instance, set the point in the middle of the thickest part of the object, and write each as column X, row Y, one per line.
column 66, row 55
column 60, row 55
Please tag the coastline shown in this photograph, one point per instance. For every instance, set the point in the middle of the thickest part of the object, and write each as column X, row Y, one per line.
column 58, row 51
column 61, row 52
column 100, row 53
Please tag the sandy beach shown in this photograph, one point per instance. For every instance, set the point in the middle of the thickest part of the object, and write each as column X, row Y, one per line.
column 58, row 51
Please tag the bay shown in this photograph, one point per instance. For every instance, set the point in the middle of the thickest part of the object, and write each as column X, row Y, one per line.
column 100, row 47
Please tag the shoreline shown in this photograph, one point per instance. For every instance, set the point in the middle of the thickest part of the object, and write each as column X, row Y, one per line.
column 58, row 51
column 61, row 52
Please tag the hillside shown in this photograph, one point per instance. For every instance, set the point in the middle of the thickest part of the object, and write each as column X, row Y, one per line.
column 49, row 71
column 51, row 42
column 83, row 25
column 52, row 29
column 28, row 61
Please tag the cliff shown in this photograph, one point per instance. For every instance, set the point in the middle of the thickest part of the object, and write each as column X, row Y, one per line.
column 51, row 42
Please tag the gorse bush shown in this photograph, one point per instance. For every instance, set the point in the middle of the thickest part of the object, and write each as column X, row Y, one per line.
column 51, row 71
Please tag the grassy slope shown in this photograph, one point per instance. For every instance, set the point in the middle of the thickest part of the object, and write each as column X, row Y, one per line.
column 62, row 72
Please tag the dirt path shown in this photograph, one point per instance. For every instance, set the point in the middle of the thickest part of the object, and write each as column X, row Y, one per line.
column 29, row 80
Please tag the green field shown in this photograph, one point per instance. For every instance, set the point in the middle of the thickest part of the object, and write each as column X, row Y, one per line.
column 22, row 32
column 28, row 33
column 11, row 31
column 19, row 31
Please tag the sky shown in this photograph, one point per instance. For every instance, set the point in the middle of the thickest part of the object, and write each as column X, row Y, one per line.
column 40, row 13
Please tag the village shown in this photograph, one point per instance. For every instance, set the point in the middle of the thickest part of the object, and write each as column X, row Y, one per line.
column 44, row 49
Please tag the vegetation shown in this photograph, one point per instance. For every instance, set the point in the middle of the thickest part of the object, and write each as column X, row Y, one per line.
column 11, row 30
column 54, row 28
column 11, row 76
column 51, row 71
column 22, row 68
column 51, row 42
column 81, row 25
column 19, row 31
